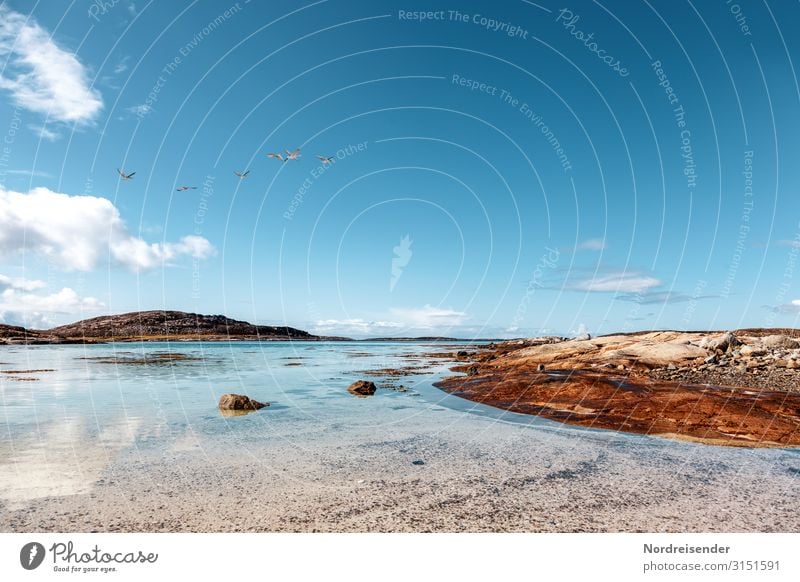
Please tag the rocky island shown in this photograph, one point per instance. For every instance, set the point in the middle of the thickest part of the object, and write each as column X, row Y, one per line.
column 156, row 326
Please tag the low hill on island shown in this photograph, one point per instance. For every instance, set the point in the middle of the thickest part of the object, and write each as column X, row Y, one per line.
column 154, row 326
column 15, row 333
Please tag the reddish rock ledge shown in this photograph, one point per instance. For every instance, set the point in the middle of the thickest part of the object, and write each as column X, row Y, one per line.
column 609, row 383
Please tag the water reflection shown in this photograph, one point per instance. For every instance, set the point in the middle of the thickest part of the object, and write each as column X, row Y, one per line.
column 66, row 459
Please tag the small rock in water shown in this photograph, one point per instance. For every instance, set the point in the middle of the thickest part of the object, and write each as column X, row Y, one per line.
column 362, row 388
column 239, row 402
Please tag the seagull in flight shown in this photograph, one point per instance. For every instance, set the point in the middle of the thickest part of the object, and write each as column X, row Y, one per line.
column 325, row 159
column 293, row 155
column 276, row 156
column 124, row 175
column 242, row 175
column 185, row 188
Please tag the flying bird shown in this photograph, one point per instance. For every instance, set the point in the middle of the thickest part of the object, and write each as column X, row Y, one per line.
column 276, row 156
column 325, row 159
column 293, row 155
column 124, row 175
column 185, row 188
column 242, row 175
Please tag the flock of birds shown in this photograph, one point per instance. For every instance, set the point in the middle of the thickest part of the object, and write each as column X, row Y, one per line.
column 281, row 157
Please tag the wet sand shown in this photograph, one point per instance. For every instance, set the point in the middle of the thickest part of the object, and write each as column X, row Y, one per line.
column 477, row 474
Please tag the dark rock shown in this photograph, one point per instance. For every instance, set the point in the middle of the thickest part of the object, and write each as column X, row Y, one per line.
column 418, row 462
column 239, row 402
column 362, row 388
column 472, row 371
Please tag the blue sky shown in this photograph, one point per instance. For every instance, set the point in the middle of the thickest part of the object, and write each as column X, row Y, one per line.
column 499, row 169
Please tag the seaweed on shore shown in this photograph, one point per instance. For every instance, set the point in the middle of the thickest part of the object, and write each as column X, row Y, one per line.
column 146, row 359
column 396, row 372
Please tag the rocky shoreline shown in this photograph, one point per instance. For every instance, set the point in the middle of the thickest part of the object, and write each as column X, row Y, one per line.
column 733, row 388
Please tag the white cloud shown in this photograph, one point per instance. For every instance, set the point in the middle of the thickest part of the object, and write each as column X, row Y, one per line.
column 20, row 306
column 28, row 173
column 623, row 282
column 122, row 65
column 402, row 322
column 40, row 75
column 65, row 301
column 592, row 244
column 140, row 110
column 20, row 284
column 791, row 308
column 582, row 330
column 136, row 254
column 354, row 326
column 44, row 133
column 80, row 232
column 429, row 317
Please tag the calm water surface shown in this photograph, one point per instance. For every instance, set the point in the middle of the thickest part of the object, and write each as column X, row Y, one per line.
column 69, row 414
column 67, row 411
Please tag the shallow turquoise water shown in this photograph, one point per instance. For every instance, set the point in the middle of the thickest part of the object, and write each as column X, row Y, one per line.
column 82, row 423
column 73, row 384
column 71, row 415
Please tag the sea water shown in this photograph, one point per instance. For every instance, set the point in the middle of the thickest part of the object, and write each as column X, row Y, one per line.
column 69, row 413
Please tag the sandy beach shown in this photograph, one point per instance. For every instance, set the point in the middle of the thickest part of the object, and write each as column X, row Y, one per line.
column 479, row 475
